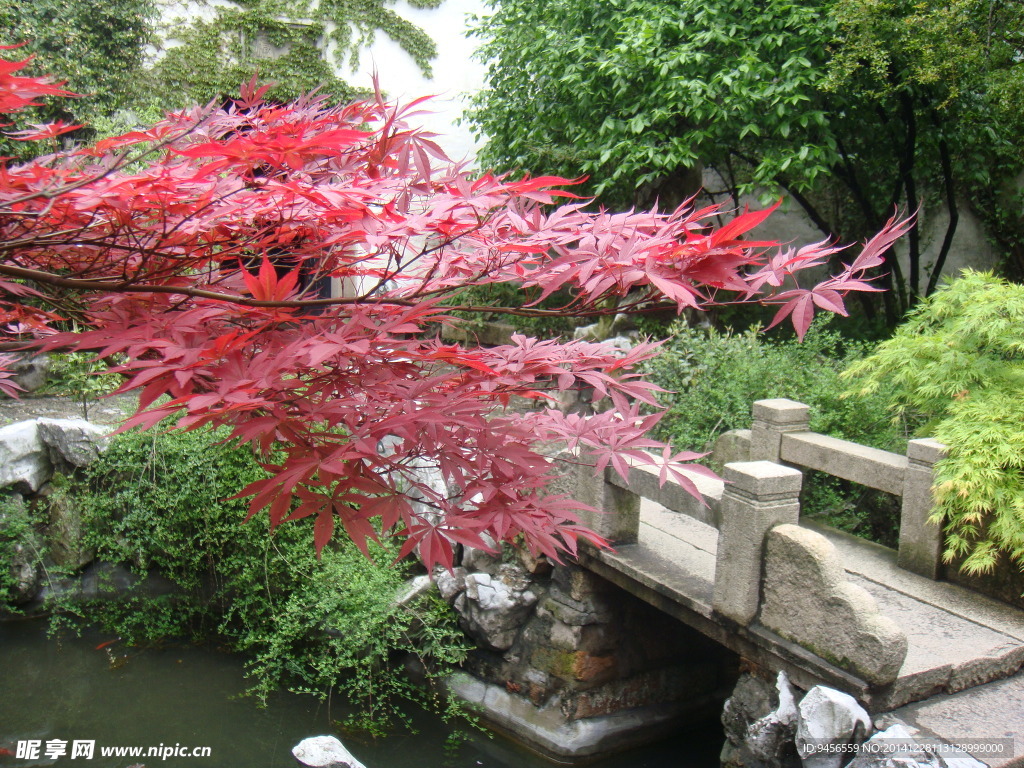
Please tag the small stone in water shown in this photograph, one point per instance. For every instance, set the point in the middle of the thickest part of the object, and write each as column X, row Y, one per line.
column 324, row 752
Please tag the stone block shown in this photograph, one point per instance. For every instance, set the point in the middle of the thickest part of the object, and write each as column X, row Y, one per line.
column 857, row 463
column 808, row 600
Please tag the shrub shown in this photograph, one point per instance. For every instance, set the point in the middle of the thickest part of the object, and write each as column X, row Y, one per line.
column 313, row 624
column 714, row 377
column 958, row 362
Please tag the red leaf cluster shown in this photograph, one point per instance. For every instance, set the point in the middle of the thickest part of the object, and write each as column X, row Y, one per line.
column 197, row 262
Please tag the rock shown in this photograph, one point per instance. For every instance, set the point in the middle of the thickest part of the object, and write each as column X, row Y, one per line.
column 26, row 579
column 828, row 720
column 19, row 547
column 802, row 574
column 324, row 752
column 759, row 721
column 72, row 443
column 731, row 446
column 24, row 460
column 480, row 560
column 493, row 608
column 535, row 565
column 451, row 583
column 30, row 372
column 769, row 738
column 414, row 588
column 896, row 747
column 752, row 698
column 64, row 532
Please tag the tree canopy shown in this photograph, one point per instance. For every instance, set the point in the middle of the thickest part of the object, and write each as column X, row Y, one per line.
column 849, row 106
column 192, row 250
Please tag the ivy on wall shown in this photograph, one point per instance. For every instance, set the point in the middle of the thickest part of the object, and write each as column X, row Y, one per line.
column 96, row 45
column 297, row 44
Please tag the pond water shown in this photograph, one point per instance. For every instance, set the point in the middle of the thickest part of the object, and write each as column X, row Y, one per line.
column 189, row 697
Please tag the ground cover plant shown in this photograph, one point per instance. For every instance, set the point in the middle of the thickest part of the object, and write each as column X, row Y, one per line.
column 198, row 249
column 332, row 625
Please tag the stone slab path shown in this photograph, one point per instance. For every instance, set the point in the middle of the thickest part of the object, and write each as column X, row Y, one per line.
column 958, row 640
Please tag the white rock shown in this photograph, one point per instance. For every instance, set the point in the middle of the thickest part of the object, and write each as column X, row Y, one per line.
column 829, row 717
column 493, row 608
column 324, row 752
column 768, row 736
column 413, row 588
column 23, row 456
column 450, row 583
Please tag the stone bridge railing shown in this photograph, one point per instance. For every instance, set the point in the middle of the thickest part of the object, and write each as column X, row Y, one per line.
column 762, row 494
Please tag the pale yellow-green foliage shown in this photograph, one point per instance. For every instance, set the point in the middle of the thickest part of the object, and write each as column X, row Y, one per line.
column 959, row 361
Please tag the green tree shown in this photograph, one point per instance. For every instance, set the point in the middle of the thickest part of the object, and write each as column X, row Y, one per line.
column 959, row 362
column 850, row 107
column 97, row 45
column 296, row 44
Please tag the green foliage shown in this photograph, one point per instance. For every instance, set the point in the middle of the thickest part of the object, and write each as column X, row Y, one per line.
column 285, row 42
column 512, row 295
column 316, row 625
column 19, row 543
column 81, row 376
column 850, row 106
column 715, row 377
column 96, row 45
column 958, row 361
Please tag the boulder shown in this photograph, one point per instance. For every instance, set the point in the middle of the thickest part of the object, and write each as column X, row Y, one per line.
column 71, row 443
column 24, row 459
column 413, row 589
column 30, row 372
column 481, row 560
column 493, row 608
column 896, row 747
column 829, row 721
column 451, row 583
column 19, row 552
column 64, row 534
column 759, row 721
column 324, row 752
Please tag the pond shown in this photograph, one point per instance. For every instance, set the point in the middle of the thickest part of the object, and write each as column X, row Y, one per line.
column 186, row 697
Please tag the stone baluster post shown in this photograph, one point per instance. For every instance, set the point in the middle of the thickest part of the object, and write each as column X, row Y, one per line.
column 772, row 419
column 619, row 518
column 758, row 496
column 921, row 542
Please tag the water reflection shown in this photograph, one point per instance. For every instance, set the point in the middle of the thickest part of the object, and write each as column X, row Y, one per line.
column 72, row 690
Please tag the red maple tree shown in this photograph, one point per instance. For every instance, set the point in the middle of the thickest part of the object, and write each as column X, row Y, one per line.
column 193, row 250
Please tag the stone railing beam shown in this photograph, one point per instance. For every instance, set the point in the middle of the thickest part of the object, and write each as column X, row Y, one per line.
column 758, row 496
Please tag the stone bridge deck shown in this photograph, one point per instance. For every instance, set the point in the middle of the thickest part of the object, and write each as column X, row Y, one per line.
column 957, row 639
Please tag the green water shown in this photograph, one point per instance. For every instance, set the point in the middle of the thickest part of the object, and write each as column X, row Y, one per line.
column 189, row 696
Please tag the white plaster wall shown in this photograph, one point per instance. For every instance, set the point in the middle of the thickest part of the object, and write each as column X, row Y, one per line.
column 456, row 75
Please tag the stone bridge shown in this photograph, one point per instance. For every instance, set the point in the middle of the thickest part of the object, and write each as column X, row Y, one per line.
column 823, row 606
